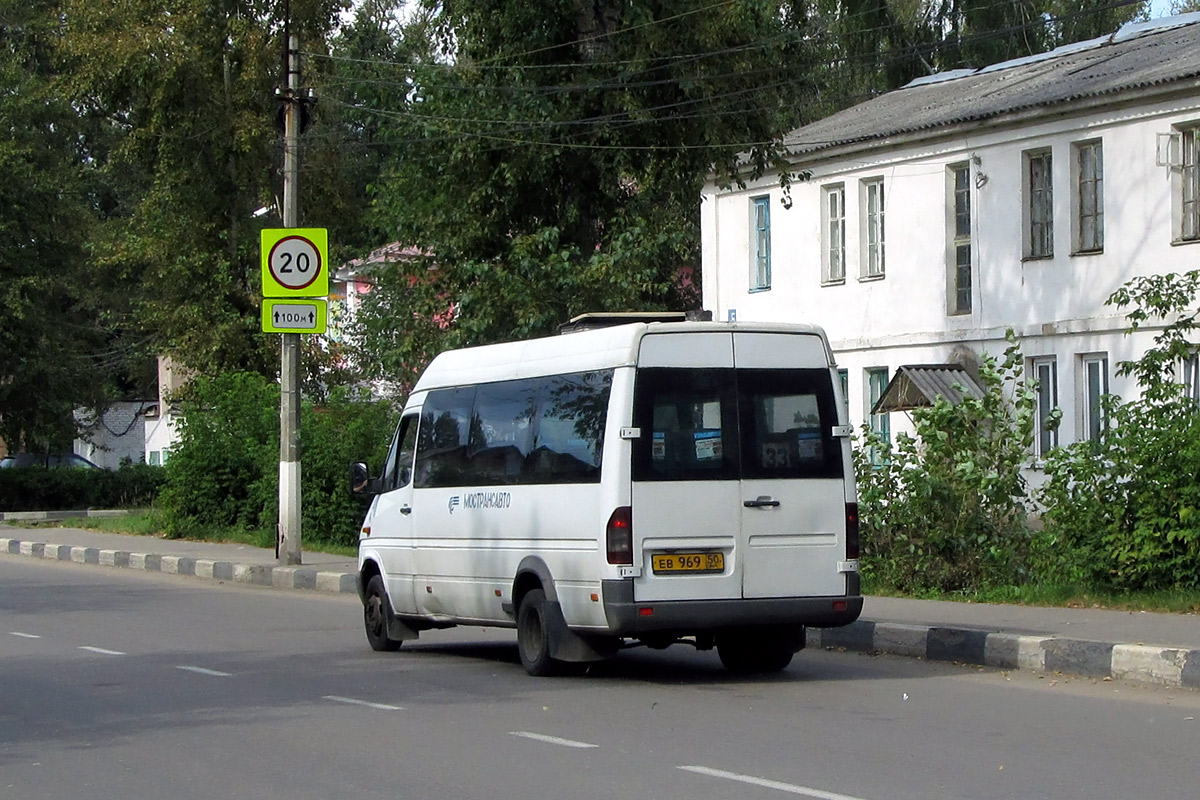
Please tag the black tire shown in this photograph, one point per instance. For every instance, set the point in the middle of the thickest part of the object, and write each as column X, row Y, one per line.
column 533, row 638
column 376, row 607
column 747, row 652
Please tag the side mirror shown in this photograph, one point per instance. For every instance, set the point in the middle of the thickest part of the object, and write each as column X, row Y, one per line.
column 361, row 484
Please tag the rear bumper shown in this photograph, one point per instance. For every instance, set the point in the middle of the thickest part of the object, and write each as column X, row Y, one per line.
column 628, row 618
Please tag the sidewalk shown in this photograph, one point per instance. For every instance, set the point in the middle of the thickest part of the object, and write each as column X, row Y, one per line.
column 1146, row 647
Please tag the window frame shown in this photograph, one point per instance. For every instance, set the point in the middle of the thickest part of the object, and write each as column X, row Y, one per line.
column 1189, row 377
column 1092, row 421
column 1088, row 197
column 1039, row 205
column 875, row 383
column 833, row 234
column 960, row 228
column 874, row 229
column 1189, row 183
column 1045, row 435
column 760, row 243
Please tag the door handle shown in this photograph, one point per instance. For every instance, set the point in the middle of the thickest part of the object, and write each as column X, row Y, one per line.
column 762, row 501
column 406, row 510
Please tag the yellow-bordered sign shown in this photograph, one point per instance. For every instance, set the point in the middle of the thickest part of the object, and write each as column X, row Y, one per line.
column 295, row 262
column 303, row 315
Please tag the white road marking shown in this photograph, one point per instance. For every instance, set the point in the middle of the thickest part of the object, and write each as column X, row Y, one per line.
column 541, row 737
column 353, row 702
column 791, row 788
column 202, row 671
column 25, row 635
column 102, row 651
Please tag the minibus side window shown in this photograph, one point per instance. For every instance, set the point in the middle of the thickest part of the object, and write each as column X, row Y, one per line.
column 569, row 440
column 444, row 432
column 526, row 431
column 501, row 434
column 400, row 459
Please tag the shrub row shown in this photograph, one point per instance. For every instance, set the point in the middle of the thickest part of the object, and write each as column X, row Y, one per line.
column 946, row 509
column 63, row 489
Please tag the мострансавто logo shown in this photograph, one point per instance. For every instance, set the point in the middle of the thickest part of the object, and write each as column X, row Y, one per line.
column 480, row 500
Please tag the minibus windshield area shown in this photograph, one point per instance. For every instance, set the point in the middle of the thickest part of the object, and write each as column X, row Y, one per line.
column 729, row 424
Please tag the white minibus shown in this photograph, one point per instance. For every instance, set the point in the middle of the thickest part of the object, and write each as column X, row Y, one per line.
column 645, row 483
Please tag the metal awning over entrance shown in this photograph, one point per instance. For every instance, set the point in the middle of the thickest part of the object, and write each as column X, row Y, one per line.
column 918, row 385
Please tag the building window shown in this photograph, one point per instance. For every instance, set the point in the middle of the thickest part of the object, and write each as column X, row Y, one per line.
column 1191, row 378
column 1045, row 372
column 960, row 240
column 833, row 212
column 877, row 381
column 1190, row 173
column 1089, row 199
column 873, row 229
column 760, row 264
column 844, row 383
column 1095, row 386
column 1039, row 209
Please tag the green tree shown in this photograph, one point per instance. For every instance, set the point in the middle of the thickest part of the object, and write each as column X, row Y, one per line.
column 61, row 339
column 190, row 84
column 550, row 156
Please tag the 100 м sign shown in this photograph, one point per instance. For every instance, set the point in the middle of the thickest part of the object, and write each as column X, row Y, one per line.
column 295, row 316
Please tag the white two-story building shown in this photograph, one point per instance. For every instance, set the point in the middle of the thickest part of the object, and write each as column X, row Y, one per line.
column 925, row 222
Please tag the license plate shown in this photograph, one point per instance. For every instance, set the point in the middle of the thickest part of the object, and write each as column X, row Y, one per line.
column 687, row 562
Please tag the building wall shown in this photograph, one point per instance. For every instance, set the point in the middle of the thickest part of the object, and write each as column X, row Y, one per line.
column 1055, row 305
column 117, row 436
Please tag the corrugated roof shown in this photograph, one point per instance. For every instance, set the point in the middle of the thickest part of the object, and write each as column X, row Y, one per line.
column 919, row 385
column 1157, row 53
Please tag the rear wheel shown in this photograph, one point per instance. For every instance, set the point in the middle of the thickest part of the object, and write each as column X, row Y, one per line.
column 533, row 641
column 749, row 651
column 375, row 616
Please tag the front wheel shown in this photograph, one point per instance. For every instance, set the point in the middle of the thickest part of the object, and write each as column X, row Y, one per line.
column 375, row 616
column 533, row 640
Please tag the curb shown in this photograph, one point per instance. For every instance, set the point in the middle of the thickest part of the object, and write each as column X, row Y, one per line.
column 278, row 577
column 58, row 516
column 1164, row 666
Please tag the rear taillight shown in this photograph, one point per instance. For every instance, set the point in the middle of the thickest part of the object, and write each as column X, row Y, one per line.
column 619, row 535
column 851, row 531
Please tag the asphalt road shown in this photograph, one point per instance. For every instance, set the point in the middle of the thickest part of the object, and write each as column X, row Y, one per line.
column 133, row 686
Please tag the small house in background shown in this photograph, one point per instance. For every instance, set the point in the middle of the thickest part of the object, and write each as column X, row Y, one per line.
column 162, row 421
column 116, row 436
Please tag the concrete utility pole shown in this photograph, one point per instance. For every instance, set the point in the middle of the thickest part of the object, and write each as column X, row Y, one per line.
column 287, row 548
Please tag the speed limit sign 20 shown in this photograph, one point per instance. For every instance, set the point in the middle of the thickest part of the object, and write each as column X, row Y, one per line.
column 294, row 262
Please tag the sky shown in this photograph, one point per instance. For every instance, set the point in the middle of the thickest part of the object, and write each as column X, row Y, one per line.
column 1159, row 8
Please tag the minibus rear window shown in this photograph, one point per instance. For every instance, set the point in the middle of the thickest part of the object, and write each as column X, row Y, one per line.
column 688, row 422
column 726, row 424
column 787, row 419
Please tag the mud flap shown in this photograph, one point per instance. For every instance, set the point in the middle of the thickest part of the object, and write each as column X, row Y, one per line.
column 566, row 645
column 397, row 630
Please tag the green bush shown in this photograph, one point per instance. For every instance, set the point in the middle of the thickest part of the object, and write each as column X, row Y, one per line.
column 224, row 473
column 63, row 489
column 224, row 469
column 944, row 510
column 332, row 436
column 1122, row 512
